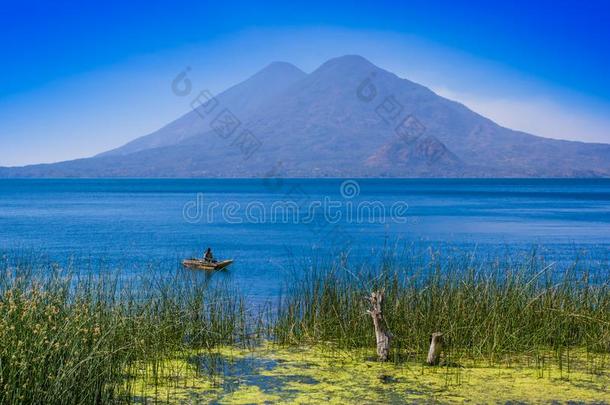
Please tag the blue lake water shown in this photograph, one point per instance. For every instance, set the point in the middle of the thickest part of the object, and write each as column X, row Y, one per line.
column 268, row 225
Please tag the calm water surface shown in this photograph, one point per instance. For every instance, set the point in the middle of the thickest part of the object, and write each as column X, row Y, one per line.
column 131, row 222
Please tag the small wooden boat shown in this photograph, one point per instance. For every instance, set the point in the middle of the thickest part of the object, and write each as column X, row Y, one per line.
column 201, row 264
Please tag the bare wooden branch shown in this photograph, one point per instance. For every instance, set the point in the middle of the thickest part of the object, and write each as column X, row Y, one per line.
column 382, row 335
column 436, row 347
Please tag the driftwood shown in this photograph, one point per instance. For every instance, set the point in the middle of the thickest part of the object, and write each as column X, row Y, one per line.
column 382, row 335
column 436, row 347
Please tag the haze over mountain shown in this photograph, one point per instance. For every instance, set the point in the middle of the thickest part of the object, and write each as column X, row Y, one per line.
column 348, row 118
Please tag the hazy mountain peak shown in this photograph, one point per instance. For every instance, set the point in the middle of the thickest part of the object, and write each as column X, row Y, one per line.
column 242, row 100
column 349, row 60
column 282, row 65
column 345, row 64
column 280, row 68
column 318, row 124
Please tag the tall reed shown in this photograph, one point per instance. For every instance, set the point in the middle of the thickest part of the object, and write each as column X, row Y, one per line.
column 66, row 337
column 77, row 337
column 486, row 308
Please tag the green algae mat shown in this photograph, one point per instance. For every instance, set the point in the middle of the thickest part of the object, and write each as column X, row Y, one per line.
column 304, row 375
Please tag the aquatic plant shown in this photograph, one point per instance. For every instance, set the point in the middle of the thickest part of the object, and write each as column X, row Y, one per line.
column 68, row 337
column 487, row 309
column 82, row 336
column 323, row 374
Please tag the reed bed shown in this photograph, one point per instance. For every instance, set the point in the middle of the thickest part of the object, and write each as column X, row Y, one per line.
column 489, row 309
column 67, row 337
column 81, row 337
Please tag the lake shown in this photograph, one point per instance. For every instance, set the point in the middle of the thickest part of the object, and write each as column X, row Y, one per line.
column 268, row 225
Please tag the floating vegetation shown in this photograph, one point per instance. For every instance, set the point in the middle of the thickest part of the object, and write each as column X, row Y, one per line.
column 270, row 374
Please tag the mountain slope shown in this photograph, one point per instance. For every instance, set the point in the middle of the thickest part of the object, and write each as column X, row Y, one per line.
column 346, row 118
column 418, row 155
column 240, row 99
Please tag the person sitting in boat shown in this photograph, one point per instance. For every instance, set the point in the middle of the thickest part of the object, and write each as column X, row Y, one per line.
column 207, row 256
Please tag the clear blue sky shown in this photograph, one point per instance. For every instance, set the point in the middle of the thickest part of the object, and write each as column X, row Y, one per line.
column 59, row 60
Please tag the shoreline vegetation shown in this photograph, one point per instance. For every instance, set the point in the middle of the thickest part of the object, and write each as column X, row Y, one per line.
column 514, row 330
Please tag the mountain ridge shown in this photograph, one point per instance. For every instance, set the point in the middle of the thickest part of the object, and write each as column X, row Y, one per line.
column 346, row 118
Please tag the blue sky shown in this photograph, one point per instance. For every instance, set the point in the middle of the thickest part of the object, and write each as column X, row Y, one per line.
column 78, row 79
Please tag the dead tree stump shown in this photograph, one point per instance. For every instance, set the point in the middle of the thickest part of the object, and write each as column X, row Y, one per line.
column 382, row 335
column 436, row 347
